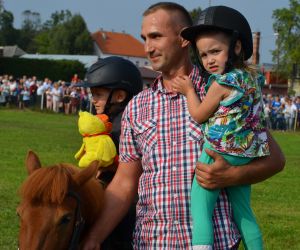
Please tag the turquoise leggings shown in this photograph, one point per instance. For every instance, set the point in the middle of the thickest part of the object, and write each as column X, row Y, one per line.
column 203, row 202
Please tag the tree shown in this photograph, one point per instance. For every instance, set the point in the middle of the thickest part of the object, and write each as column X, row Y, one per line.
column 287, row 29
column 8, row 34
column 31, row 26
column 57, row 18
column 195, row 13
column 65, row 34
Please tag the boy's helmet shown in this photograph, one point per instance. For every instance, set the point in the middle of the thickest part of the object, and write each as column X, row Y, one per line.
column 114, row 73
column 226, row 19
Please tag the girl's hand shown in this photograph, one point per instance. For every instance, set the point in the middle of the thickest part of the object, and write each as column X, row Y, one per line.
column 182, row 84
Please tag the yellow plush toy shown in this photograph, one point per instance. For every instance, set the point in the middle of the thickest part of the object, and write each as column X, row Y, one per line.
column 97, row 143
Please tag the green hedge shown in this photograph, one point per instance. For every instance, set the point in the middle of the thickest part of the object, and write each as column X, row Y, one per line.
column 41, row 68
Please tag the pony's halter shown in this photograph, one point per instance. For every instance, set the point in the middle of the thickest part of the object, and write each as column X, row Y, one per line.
column 79, row 222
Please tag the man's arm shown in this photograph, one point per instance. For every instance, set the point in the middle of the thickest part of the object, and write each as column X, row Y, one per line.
column 118, row 197
column 221, row 174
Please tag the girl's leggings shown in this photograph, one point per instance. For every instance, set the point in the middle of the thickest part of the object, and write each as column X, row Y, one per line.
column 203, row 202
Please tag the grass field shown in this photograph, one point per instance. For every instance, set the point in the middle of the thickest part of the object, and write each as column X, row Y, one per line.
column 55, row 138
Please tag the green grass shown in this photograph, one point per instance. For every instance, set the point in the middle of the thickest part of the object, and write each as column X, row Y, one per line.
column 55, row 138
column 276, row 201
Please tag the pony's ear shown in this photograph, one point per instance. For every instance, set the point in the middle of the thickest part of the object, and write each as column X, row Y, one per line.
column 87, row 173
column 32, row 162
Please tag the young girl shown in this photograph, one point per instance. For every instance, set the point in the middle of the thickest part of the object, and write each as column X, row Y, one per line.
column 231, row 115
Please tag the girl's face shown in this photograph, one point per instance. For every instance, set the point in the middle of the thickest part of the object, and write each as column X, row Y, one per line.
column 213, row 51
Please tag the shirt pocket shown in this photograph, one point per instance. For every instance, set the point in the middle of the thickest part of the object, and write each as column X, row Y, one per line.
column 146, row 135
column 195, row 131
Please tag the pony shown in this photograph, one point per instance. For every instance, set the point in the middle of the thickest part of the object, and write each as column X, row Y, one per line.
column 59, row 203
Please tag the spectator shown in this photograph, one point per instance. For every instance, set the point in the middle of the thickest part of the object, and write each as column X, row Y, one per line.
column 274, row 112
column 289, row 114
column 26, row 97
column 267, row 112
column 66, row 99
column 75, row 99
column 56, row 96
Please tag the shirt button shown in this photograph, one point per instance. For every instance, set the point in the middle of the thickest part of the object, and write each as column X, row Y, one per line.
column 174, row 168
column 175, row 196
column 176, row 222
column 174, row 142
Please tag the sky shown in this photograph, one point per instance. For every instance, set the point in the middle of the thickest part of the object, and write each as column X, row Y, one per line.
column 126, row 15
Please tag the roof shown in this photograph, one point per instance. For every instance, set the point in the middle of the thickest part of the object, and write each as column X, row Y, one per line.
column 118, row 44
column 11, row 51
column 87, row 60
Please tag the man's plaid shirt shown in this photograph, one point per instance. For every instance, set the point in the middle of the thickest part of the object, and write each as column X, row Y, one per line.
column 158, row 130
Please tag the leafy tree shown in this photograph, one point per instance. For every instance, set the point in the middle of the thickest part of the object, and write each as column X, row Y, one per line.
column 58, row 17
column 8, row 34
column 30, row 28
column 195, row 13
column 287, row 28
column 65, row 34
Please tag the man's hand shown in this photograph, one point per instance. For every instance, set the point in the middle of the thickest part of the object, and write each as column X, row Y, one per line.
column 216, row 175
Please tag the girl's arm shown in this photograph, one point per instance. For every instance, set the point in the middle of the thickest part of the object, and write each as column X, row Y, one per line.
column 201, row 111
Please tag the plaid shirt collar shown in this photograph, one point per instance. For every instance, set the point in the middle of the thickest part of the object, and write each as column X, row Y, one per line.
column 158, row 82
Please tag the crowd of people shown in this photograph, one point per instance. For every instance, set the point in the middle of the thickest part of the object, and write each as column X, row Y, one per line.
column 56, row 96
column 282, row 112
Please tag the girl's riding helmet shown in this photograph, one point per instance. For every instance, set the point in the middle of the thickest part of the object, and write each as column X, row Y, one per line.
column 224, row 18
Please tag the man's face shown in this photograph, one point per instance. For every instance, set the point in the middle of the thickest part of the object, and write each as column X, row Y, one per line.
column 162, row 40
column 100, row 96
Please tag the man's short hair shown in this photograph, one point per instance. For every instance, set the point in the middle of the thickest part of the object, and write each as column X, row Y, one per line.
column 170, row 6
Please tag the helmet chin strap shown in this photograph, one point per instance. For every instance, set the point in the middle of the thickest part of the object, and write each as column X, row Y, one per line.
column 108, row 103
column 113, row 109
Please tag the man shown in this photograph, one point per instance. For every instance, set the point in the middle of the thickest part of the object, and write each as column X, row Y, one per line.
column 159, row 147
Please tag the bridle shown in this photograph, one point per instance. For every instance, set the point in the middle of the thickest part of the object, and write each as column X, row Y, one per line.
column 79, row 222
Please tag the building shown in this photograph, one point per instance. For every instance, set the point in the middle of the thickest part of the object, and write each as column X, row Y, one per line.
column 276, row 84
column 11, row 51
column 86, row 60
column 120, row 44
column 110, row 44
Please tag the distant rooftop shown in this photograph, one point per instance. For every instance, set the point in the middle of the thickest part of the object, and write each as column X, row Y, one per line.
column 86, row 60
column 118, row 44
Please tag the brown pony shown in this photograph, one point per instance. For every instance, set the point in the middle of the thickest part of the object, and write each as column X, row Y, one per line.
column 58, row 205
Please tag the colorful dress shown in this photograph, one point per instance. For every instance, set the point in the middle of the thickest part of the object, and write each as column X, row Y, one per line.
column 237, row 132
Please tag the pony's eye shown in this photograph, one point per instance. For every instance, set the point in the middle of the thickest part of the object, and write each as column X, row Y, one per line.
column 65, row 219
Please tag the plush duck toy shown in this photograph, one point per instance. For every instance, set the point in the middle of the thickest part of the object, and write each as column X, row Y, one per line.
column 97, row 143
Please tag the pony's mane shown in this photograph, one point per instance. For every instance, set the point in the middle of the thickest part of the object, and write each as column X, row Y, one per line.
column 48, row 184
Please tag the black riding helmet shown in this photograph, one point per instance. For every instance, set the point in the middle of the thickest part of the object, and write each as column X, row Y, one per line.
column 226, row 19
column 114, row 73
